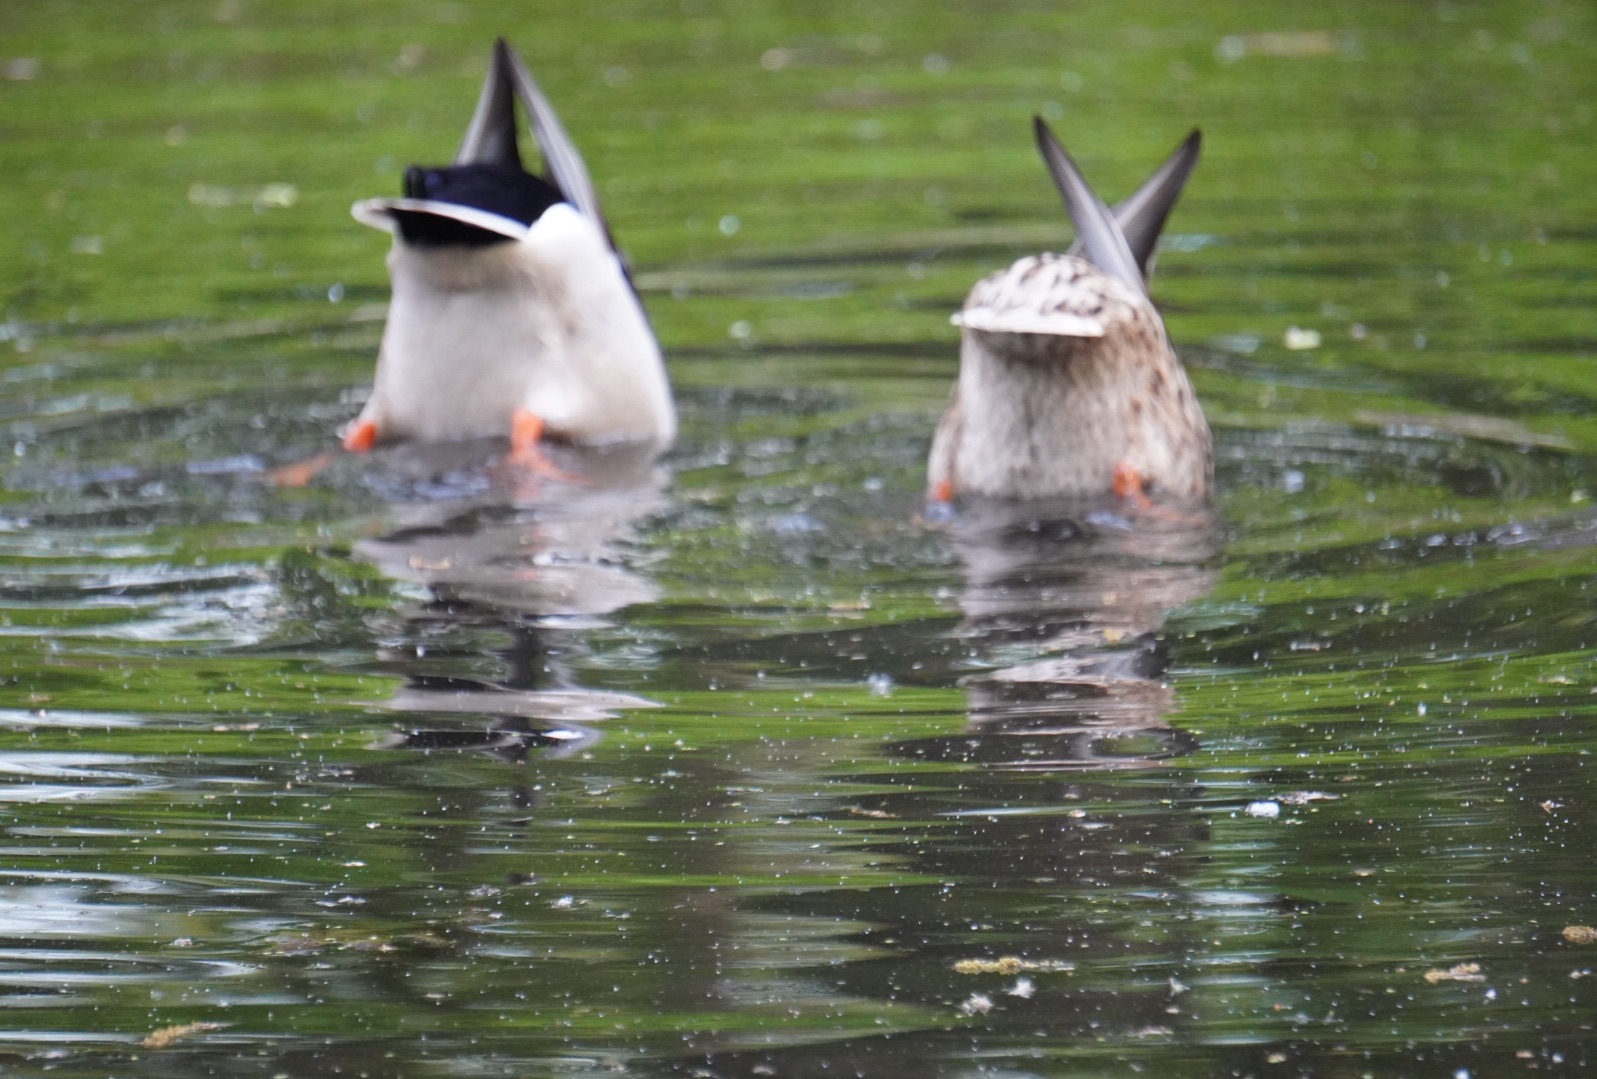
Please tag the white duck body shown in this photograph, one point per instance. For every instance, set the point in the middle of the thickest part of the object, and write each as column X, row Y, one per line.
column 1066, row 376
column 511, row 310
column 547, row 323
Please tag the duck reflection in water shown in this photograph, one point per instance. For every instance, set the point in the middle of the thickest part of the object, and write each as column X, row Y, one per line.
column 1034, row 846
column 540, row 565
column 1075, row 598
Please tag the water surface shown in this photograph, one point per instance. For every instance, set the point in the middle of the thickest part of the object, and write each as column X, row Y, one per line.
column 734, row 766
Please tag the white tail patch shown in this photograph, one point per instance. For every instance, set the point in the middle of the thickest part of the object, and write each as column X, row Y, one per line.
column 1020, row 320
column 378, row 213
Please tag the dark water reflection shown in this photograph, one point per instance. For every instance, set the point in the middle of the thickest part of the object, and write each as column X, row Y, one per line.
column 1078, row 594
column 734, row 765
column 537, row 561
column 741, row 770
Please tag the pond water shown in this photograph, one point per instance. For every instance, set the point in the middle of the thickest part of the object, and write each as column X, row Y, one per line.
column 736, row 767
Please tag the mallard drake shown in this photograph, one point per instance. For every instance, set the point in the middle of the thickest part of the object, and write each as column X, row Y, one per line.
column 1068, row 386
column 512, row 313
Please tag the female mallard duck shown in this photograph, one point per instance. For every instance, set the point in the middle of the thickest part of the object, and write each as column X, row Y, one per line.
column 1068, row 386
column 512, row 313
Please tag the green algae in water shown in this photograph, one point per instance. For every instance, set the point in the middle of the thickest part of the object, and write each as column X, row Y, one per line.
column 877, row 750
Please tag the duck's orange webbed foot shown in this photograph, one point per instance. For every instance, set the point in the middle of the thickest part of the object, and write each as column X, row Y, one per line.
column 526, row 434
column 300, row 473
column 1129, row 486
column 360, row 436
column 939, row 509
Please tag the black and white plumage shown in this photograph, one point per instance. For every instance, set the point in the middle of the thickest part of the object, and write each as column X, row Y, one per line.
column 1068, row 386
column 512, row 312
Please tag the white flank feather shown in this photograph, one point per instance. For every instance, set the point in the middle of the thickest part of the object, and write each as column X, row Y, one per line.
column 1021, row 320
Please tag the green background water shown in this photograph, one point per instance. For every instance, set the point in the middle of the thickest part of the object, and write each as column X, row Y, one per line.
column 329, row 767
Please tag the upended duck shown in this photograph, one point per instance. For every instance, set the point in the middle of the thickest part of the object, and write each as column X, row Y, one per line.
column 512, row 312
column 1068, row 385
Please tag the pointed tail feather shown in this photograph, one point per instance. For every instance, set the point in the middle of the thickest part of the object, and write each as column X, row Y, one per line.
column 491, row 136
column 562, row 164
column 1099, row 235
column 1142, row 216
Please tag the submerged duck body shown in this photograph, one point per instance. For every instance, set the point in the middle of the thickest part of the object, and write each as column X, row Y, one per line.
column 512, row 313
column 1068, row 385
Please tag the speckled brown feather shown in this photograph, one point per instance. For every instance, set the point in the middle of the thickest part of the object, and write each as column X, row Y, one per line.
column 1040, row 414
column 1067, row 381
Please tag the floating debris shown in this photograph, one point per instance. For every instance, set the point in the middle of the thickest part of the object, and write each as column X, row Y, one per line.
column 1153, row 1031
column 305, row 944
column 1580, row 934
column 1300, row 340
column 166, row 1036
column 298, row 944
column 872, row 814
column 1463, row 972
column 1010, row 964
column 1301, row 798
column 265, row 197
column 976, row 1004
column 1288, row 43
column 1267, row 810
column 1460, row 424
column 275, row 197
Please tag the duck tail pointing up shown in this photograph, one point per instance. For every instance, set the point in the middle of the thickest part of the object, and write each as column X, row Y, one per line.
column 1142, row 216
column 491, row 136
column 1099, row 235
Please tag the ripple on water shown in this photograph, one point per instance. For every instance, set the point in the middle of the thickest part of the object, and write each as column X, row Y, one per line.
column 741, row 766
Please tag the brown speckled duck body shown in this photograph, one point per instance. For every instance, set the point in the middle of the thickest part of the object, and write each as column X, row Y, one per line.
column 1068, row 386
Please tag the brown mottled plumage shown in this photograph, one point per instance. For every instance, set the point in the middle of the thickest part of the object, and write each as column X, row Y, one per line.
column 1068, row 386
